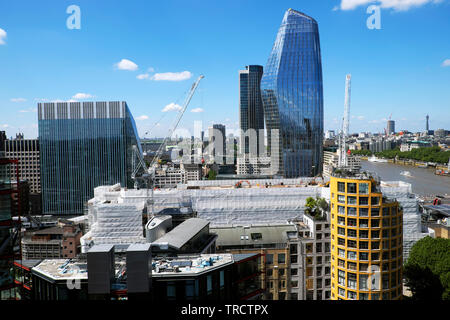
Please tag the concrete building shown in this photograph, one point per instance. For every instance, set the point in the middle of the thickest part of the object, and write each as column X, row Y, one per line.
column 331, row 161
column 27, row 152
column 52, row 243
column 248, row 165
column 410, row 145
column 217, row 143
column 310, row 260
column 390, row 128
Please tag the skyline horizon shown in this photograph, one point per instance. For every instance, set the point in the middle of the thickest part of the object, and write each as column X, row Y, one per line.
column 218, row 98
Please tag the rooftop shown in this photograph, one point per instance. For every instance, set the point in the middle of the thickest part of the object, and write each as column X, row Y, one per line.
column 184, row 232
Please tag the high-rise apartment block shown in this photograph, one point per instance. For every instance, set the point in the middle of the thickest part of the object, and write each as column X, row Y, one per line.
column 390, row 127
column 366, row 240
column 292, row 96
column 83, row 145
column 251, row 112
column 27, row 152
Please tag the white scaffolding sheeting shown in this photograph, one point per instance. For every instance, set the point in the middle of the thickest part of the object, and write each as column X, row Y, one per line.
column 412, row 221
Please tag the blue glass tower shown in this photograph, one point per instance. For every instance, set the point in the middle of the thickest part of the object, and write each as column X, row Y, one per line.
column 83, row 146
column 292, row 95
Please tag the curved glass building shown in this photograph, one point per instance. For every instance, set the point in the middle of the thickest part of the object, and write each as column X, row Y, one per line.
column 292, row 95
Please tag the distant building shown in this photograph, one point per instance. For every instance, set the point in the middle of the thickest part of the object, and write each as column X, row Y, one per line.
column 27, row 152
column 83, row 145
column 390, row 129
column 330, row 134
column 440, row 133
column 331, row 161
column 248, row 165
column 410, row 145
column 217, row 143
column 251, row 110
column 427, row 127
column 52, row 243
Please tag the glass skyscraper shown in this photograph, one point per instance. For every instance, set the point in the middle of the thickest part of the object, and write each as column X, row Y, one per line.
column 251, row 112
column 83, row 145
column 292, row 95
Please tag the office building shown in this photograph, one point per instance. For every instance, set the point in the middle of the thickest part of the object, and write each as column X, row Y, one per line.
column 292, row 95
column 251, row 112
column 217, row 143
column 83, row 145
column 390, row 129
column 27, row 152
column 427, row 126
column 2, row 143
column 366, row 240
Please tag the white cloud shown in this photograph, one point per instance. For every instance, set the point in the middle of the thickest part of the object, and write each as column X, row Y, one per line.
column 172, row 76
column 28, row 110
column 126, row 64
column 5, row 126
column 143, row 76
column 172, row 107
column 446, row 63
column 81, row 96
column 18, row 99
column 2, row 36
column 197, row 110
column 143, row 117
column 399, row 5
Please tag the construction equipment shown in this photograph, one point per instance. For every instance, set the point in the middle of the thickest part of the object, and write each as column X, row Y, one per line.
column 147, row 178
column 342, row 162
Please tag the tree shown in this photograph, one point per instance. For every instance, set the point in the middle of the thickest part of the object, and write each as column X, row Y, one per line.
column 428, row 264
column 212, row 175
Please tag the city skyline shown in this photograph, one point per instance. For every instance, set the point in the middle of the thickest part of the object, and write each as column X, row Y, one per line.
column 154, row 66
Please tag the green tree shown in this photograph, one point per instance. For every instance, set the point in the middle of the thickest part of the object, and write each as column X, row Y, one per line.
column 212, row 175
column 428, row 269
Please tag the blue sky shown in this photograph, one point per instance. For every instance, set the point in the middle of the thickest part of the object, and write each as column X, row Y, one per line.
column 400, row 69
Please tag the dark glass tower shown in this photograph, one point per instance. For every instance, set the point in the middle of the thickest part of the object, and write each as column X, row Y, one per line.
column 83, row 146
column 251, row 112
column 292, row 96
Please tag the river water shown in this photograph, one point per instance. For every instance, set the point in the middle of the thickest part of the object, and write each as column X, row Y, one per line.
column 423, row 181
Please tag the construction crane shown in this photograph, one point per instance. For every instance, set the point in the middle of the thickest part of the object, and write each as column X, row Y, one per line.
column 147, row 178
column 345, row 124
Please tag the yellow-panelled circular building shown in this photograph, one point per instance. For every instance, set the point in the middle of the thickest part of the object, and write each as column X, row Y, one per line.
column 366, row 240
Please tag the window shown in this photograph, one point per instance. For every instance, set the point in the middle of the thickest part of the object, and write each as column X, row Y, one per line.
column 341, row 263
column 341, row 231
column 375, row 201
column 375, row 212
column 363, row 201
column 364, row 234
column 363, row 278
column 363, row 245
column 375, row 256
column 222, row 279
column 363, row 188
column 269, row 272
column 375, row 245
column 351, row 255
column 294, row 284
column 351, row 222
column 293, row 248
column 341, row 292
column 171, row 290
column 351, row 200
column 319, row 260
column 385, row 281
column 351, row 265
column 351, row 243
column 281, row 258
column 351, row 281
column 363, row 267
column 294, row 272
column 341, row 210
column 363, row 223
column 318, row 247
column 351, row 211
column 363, row 256
column 269, row 258
column 341, row 277
column 341, row 253
column 341, row 221
column 386, row 222
column 281, row 272
column 256, row 236
column 351, row 295
column 386, row 211
column 341, row 186
column 341, row 242
column 318, row 227
column 351, row 233
column 375, row 223
column 363, row 212
column 341, row 198
column 375, row 234
column 294, row 259
column 385, row 233
column 351, row 187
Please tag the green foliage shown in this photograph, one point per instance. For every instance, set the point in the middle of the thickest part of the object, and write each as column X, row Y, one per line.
column 431, row 154
column 212, row 175
column 316, row 207
column 428, row 268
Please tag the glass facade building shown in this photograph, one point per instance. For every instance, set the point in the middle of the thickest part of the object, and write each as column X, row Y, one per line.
column 251, row 112
column 83, row 145
column 292, row 96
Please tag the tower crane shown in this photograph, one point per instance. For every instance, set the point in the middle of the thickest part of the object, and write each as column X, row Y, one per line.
column 345, row 124
column 138, row 164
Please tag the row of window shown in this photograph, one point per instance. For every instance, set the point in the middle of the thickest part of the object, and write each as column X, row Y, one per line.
column 390, row 295
column 374, row 245
column 374, row 256
column 364, row 212
column 364, row 267
column 352, row 187
column 376, row 281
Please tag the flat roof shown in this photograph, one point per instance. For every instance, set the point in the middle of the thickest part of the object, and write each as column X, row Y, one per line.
column 229, row 236
column 441, row 208
column 184, row 232
column 61, row 269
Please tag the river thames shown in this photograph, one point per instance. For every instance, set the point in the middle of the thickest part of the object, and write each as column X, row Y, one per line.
column 423, row 181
